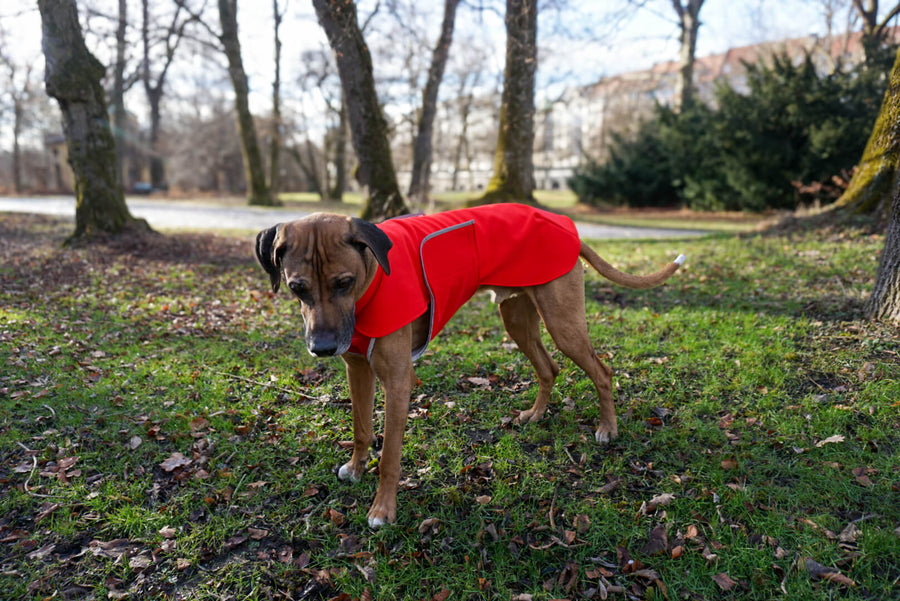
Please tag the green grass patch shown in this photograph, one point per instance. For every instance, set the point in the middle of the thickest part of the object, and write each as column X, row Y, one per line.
column 165, row 433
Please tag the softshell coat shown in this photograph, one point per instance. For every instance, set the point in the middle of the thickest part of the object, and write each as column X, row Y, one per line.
column 439, row 261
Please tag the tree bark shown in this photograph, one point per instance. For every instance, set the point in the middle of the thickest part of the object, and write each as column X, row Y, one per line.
column 870, row 189
column 689, row 24
column 368, row 127
column 257, row 190
column 118, row 93
column 884, row 304
column 72, row 76
column 275, row 143
column 513, row 177
column 419, row 187
column 336, row 192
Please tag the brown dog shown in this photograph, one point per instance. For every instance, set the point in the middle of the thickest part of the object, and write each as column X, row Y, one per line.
column 348, row 275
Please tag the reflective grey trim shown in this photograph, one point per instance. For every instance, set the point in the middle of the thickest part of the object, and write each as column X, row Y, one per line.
column 421, row 350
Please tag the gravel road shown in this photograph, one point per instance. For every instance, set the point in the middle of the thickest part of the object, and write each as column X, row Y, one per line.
column 181, row 215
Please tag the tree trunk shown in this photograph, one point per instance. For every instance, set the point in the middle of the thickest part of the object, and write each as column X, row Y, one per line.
column 118, row 94
column 884, row 305
column 18, row 118
column 513, row 178
column 254, row 171
column 72, row 76
column 873, row 31
column 419, row 187
column 689, row 23
column 336, row 192
column 275, row 144
column 368, row 127
column 870, row 189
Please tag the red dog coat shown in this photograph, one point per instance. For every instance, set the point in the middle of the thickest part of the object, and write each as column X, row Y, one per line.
column 439, row 261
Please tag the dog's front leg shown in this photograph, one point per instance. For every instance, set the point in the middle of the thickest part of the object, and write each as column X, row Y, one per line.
column 361, row 379
column 392, row 363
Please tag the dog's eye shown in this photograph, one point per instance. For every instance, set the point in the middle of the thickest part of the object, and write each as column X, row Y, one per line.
column 298, row 288
column 344, row 284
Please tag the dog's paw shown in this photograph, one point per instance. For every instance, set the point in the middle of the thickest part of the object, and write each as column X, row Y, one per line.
column 350, row 472
column 605, row 436
column 528, row 417
column 380, row 516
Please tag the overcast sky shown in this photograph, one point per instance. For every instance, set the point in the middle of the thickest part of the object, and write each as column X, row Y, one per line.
column 602, row 45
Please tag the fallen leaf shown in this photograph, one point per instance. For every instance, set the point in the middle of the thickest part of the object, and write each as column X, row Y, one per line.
column 337, row 518
column 427, row 524
column 724, row 581
column 830, row 440
column 167, row 532
column 444, row 594
column 483, row 499
column 174, row 462
column 582, row 523
column 658, row 543
column 819, row 572
column 257, row 533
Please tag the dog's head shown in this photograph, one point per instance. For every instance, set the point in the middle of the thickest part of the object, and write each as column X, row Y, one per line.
column 327, row 261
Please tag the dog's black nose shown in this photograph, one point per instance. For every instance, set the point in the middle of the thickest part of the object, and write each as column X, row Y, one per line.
column 323, row 351
column 323, row 345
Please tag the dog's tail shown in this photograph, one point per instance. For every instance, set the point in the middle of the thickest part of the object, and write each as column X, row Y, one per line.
column 626, row 279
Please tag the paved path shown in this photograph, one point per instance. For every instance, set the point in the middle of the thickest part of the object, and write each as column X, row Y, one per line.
column 181, row 215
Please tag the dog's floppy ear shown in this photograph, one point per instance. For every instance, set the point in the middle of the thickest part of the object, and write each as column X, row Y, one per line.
column 364, row 233
column 268, row 254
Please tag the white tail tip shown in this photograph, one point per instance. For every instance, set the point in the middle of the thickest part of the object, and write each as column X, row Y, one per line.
column 680, row 259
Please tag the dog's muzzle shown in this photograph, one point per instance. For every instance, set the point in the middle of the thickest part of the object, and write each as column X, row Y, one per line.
column 329, row 342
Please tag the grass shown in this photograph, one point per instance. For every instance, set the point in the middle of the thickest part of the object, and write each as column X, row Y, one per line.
column 164, row 434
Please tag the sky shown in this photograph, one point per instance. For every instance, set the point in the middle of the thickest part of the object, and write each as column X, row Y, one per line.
column 576, row 46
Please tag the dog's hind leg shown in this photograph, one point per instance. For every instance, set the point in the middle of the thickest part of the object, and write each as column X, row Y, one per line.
column 523, row 324
column 561, row 305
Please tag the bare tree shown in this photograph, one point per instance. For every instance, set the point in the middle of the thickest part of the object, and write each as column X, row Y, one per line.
column 275, row 142
column 419, row 187
column 257, row 190
column 368, row 126
column 874, row 30
column 154, row 84
column 72, row 76
column 689, row 24
column 513, row 178
column 19, row 89
column 118, row 91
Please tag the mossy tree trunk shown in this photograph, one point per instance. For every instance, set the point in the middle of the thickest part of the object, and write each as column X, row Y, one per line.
column 884, row 304
column 419, row 186
column 72, row 76
column 872, row 185
column 513, row 177
column 368, row 127
column 258, row 192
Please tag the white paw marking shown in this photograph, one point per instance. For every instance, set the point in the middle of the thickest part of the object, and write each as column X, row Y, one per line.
column 345, row 473
column 601, row 437
column 376, row 523
column 680, row 259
